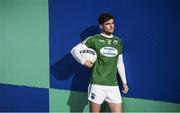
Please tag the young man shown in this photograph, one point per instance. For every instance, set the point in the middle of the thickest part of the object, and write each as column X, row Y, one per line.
column 103, row 83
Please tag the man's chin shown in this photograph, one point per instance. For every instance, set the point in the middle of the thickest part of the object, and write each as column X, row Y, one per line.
column 109, row 33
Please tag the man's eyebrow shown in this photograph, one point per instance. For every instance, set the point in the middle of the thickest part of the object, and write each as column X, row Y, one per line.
column 109, row 23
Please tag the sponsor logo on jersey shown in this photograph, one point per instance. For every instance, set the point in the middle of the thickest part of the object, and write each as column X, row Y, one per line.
column 109, row 51
column 115, row 42
column 102, row 40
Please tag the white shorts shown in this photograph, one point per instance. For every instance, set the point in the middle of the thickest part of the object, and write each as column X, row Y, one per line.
column 99, row 93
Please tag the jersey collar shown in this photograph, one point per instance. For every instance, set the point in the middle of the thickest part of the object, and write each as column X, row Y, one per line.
column 107, row 36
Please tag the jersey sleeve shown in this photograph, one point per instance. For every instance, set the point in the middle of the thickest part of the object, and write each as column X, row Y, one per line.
column 76, row 51
column 121, row 69
column 120, row 46
column 120, row 63
column 88, row 42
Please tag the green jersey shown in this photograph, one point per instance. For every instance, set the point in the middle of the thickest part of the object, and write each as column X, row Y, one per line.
column 105, row 68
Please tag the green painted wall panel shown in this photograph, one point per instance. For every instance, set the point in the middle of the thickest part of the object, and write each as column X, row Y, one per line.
column 24, row 42
column 143, row 105
column 66, row 101
column 24, row 58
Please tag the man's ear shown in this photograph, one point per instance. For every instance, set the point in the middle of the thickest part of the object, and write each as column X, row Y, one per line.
column 100, row 26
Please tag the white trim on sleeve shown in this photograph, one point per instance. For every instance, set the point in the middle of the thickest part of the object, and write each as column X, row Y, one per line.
column 75, row 51
column 121, row 69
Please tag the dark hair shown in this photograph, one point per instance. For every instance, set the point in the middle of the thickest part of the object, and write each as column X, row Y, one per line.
column 105, row 17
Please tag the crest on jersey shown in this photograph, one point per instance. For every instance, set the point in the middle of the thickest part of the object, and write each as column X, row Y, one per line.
column 115, row 42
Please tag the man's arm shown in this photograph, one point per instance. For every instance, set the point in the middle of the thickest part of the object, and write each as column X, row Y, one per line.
column 75, row 51
column 122, row 73
column 77, row 55
column 121, row 69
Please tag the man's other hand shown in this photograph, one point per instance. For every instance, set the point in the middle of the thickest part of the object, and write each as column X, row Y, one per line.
column 125, row 88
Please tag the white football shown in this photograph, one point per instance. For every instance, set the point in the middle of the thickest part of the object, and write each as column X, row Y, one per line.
column 89, row 54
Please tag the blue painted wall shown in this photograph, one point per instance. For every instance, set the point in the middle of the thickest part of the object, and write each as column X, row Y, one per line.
column 150, row 30
column 20, row 98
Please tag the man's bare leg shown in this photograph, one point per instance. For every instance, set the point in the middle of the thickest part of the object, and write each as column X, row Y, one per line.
column 94, row 108
column 115, row 107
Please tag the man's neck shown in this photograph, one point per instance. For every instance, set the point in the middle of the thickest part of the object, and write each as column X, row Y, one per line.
column 107, row 36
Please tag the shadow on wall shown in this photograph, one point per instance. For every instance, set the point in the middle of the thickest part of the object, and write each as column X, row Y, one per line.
column 67, row 67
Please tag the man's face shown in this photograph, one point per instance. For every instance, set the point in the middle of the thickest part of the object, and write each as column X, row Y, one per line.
column 108, row 27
